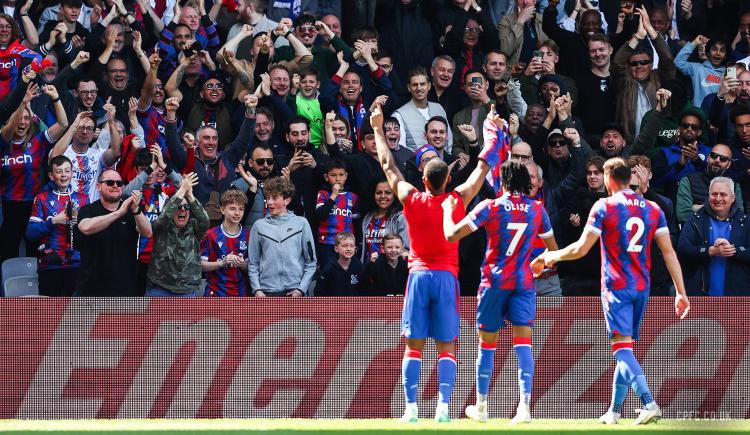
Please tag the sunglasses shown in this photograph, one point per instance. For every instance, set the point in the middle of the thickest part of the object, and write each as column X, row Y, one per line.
column 474, row 30
column 110, row 183
column 714, row 156
column 214, row 86
column 184, row 207
column 694, row 127
column 264, row 162
column 306, row 29
column 643, row 62
column 520, row 156
column 557, row 143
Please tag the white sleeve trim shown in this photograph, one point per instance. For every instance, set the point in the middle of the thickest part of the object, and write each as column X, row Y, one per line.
column 592, row 229
column 547, row 235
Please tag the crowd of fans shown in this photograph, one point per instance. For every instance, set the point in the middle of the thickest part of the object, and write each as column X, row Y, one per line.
column 147, row 145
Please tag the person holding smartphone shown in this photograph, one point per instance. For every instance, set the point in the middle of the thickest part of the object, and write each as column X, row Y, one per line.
column 706, row 76
column 521, row 31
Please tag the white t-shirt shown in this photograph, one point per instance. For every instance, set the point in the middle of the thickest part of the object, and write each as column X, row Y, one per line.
column 86, row 169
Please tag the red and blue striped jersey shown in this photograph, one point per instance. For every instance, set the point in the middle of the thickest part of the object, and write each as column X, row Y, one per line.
column 226, row 281
column 86, row 169
column 10, row 65
column 54, row 238
column 373, row 236
column 513, row 223
column 341, row 218
column 153, row 202
column 23, row 167
column 153, row 123
column 627, row 224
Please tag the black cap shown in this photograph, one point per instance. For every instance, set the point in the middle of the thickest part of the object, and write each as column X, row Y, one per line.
column 616, row 127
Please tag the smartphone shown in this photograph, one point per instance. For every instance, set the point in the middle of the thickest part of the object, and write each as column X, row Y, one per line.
column 731, row 72
column 476, row 81
column 537, row 53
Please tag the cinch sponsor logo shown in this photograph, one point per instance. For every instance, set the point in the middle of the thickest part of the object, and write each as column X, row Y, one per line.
column 345, row 212
column 8, row 65
column 19, row 160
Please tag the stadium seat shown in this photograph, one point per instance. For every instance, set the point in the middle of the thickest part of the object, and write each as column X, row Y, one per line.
column 22, row 286
column 20, row 266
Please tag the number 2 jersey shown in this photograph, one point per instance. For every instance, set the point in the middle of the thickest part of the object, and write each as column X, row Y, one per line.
column 513, row 222
column 627, row 224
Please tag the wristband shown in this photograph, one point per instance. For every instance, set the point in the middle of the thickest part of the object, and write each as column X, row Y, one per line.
column 140, row 210
column 56, row 100
column 286, row 35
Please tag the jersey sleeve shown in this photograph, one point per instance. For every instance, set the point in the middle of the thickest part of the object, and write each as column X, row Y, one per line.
column 545, row 230
column 322, row 197
column 661, row 226
column 480, row 214
column 355, row 206
column 595, row 223
column 206, row 247
column 37, row 210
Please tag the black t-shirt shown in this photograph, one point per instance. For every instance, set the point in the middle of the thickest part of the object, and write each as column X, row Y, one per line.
column 596, row 102
column 108, row 258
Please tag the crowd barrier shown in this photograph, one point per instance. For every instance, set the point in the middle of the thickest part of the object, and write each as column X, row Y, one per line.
column 339, row 358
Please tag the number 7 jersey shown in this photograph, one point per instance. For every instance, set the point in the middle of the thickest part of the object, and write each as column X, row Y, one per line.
column 627, row 224
column 512, row 222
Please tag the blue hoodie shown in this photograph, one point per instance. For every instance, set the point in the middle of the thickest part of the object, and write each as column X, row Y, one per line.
column 706, row 78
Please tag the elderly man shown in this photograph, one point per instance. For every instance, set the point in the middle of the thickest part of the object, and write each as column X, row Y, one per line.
column 713, row 242
column 692, row 192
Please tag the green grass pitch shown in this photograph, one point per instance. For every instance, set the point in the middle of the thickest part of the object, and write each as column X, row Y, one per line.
column 360, row 427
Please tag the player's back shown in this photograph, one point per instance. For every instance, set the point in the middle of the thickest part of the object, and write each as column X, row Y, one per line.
column 627, row 224
column 424, row 223
column 513, row 222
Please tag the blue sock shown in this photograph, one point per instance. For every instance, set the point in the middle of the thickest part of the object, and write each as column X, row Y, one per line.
column 446, row 375
column 619, row 390
column 522, row 346
column 485, row 365
column 632, row 371
column 411, row 366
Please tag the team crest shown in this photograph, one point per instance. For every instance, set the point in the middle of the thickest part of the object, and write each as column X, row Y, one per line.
column 243, row 245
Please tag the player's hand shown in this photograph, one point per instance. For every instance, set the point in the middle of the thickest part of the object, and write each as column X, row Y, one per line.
column 449, row 204
column 681, row 306
column 537, row 266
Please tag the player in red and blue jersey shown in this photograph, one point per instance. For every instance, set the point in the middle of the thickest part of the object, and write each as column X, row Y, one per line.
column 506, row 292
column 51, row 224
column 431, row 304
column 13, row 58
column 23, row 160
column 224, row 250
column 336, row 211
column 626, row 224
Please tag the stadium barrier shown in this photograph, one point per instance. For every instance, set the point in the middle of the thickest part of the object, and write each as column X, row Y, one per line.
column 331, row 358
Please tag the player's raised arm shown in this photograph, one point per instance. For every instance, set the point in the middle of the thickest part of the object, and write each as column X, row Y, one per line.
column 681, row 303
column 454, row 232
column 494, row 137
column 395, row 179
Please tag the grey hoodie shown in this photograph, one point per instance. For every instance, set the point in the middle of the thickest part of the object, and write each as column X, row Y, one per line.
column 282, row 254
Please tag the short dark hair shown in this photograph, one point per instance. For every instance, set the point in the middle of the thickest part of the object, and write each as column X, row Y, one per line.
column 597, row 161
column 59, row 161
column 600, row 37
column 279, row 186
column 695, row 112
column 334, row 164
column 416, row 71
column 737, row 111
column 263, row 110
column 641, row 50
column 304, row 19
column 178, row 25
column 393, row 236
column 476, row 71
column 516, row 176
column 436, row 118
column 72, row 3
column 552, row 45
column 363, row 33
column 233, row 196
column 143, row 157
column 642, row 160
column 390, row 120
column 296, row 119
column 279, row 66
column 435, row 172
column 617, row 169
column 309, row 72
column 496, row 51
column 383, row 52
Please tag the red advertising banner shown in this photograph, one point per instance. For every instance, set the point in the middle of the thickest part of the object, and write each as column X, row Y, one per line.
column 333, row 358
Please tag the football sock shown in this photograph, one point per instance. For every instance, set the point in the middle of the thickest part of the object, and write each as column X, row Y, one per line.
column 485, row 365
column 446, row 375
column 632, row 371
column 522, row 346
column 411, row 367
column 619, row 390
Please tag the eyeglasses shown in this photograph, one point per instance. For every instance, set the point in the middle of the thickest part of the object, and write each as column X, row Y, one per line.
column 159, row 86
column 721, row 158
column 520, row 156
column 110, row 183
column 385, row 66
column 694, row 127
column 643, row 62
column 85, row 93
column 211, row 85
column 474, row 30
column 84, row 129
column 306, row 29
column 264, row 162
column 557, row 143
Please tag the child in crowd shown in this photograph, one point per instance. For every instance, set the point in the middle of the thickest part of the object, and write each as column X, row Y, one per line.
column 224, row 250
column 341, row 278
column 386, row 274
column 336, row 211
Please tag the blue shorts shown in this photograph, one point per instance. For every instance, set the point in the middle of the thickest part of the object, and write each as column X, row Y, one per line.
column 495, row 306
column 431, row 306
column 623, row 310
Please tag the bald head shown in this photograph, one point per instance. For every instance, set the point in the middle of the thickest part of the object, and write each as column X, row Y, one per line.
column 521, row 151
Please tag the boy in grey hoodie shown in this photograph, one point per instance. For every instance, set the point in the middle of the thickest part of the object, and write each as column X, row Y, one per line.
column 282, row 249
